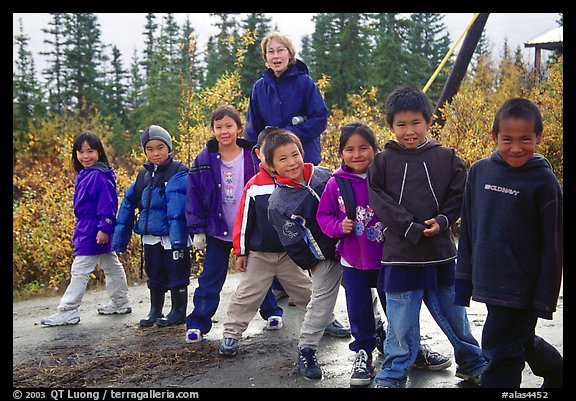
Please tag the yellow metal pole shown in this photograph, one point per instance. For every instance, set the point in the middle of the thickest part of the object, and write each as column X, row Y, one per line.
column 447, row 56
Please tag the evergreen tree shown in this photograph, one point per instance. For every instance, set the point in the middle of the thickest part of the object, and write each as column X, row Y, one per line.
column 253, row 64
column 82, row 61
column 55, row 74
column 306, row 51
column 27, row 103
column 162, row 84
column 350, row 55
column 320, row 55
column 149, row 43
column 190, row 66
column 117, row 87
column 389, row 59
column 427, row 42
column 222, row 48
column 135, row 101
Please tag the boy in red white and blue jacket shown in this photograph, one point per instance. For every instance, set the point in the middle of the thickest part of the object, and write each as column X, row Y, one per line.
column 261, row 256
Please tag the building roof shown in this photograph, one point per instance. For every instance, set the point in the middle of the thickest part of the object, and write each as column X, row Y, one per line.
column 550, row 40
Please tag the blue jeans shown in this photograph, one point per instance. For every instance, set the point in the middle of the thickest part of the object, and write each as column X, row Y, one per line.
column 403, row 334
column 210, row 282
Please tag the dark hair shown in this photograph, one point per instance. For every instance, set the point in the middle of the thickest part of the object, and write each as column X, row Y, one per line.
column 94, row 142
column 519, row 108
column 277, row 139
column 224, row 111
column 407, row 98
column 262, row 137
column 265, row 133
column 359, row 128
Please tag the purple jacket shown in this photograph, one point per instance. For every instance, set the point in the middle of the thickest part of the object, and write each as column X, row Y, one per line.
column 204, row 212
column 363, row 247
column 95, row 207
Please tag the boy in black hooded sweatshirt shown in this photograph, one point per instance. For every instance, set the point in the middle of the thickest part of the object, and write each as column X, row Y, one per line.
column 510, row 248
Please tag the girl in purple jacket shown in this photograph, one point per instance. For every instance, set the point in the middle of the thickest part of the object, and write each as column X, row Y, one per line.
column 360, row 245
column 215, row 186
column 95, row 207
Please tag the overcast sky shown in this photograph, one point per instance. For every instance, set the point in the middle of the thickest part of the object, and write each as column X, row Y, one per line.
column 125, row 29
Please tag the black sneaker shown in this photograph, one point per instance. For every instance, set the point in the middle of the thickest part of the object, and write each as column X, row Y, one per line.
column 337, row 329
column 470, row 377
column 228, row 346
column 380, row 336
column 431, row 360
column 362, row 370
column 308, row 364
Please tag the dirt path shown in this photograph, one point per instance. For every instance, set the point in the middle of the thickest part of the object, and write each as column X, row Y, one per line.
column 113, row 351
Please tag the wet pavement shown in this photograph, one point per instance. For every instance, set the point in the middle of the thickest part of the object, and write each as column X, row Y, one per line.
column 333, row 354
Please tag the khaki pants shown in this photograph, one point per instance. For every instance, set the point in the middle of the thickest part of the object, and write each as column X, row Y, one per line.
column 326, row 279
column 261, row 267
column 82, row 266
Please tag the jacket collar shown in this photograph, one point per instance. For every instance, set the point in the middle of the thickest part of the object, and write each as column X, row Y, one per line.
column 308, row 171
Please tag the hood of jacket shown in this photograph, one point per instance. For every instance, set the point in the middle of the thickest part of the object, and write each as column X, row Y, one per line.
column 427, row 145
column 537, row 161
column 298, row 68
column 344, row 172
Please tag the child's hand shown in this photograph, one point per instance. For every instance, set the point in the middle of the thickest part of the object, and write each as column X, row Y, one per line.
column 101, row 238
column 347, row 225
column 241, row 263
column 432, row 228
column 199, row 241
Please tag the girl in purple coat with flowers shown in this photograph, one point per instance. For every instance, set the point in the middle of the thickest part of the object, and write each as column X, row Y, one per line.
column 360, row 245
column 95, row 207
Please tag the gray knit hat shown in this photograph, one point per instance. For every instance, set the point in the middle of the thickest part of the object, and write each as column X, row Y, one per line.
column 158, row 133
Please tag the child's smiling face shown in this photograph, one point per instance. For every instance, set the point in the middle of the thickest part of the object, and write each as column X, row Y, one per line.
column 226, row 131
column 410, row 128
column 516, row 141
column 87, row 156
column 288, row 162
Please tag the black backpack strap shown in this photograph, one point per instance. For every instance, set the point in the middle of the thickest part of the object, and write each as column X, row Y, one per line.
column 144, row 176
column 347, row 196
column 142, row 179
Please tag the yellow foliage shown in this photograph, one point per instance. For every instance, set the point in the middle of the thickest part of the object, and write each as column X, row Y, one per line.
column 43, row 219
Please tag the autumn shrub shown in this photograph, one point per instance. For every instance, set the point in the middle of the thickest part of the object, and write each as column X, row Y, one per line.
column 470, row 115
column 43, row 178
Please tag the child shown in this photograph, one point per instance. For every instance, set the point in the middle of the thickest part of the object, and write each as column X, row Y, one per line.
column 215, row 186
column 360, row 245
column 292, row 211
column 260, row 256
column 360, row 250
column 159, row 193
column 415, row 188
column 95, row 206
column 510, row 248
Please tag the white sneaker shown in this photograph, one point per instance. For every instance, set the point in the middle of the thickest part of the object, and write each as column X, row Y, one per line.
column 111, row 308
column 193, row 336
column 62, row 318
column 274, row 323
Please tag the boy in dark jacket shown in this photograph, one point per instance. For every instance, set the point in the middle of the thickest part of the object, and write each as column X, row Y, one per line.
column 292, row 211
column 162, row 225
column 510, row 248
column 415, row 188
